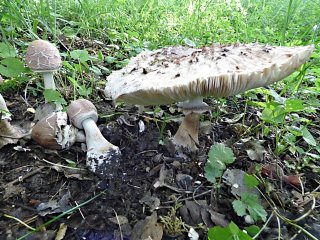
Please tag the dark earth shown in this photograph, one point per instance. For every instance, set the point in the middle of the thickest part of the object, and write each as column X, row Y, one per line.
column 153, row 188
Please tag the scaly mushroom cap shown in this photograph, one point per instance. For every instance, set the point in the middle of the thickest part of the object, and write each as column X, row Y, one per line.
column 53, row 132
column 80, row 110
column 43, row 56
column 176, row 74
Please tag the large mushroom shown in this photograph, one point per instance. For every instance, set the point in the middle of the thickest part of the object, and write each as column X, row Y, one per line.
column 187, row 75
column 43, row 57
column 102, row 156
column 54, row 132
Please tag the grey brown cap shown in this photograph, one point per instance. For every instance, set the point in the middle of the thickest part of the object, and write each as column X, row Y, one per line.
column 53, row 132
column 80, row 110
column 176, row 74
column 43, row 56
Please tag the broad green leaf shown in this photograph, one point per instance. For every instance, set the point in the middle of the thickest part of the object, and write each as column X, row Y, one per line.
column 257, row 212
column 11, row 67
column 81, row 55
column 212, row 172
column 7, row 51
column 294, row 105
column 251, row 181
column 307, row 136
column 53, row 96
column 252, row 230
column 220, row 152
column 230, row 232
column 218, row 156
column 239, row 207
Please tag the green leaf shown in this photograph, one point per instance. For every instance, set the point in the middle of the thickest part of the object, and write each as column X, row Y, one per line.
column 251, row 181
column 257, row 212
column 81, row 55
column 54, row 96
column 230, row 232
column 7, row 51
column 239, row 207
column 220, row 152
column 252, row 230
column 307, row 136
column 294, row 105
column 218, row 156
column 212, row 172
column 11, row 67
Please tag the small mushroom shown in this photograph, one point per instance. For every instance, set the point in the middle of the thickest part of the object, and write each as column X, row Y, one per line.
column 187, row 75
column 43, row 57
column 102, row 156
column 53, row 132
column 8, row 133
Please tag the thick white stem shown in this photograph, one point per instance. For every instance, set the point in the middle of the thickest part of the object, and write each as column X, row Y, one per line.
column 49, row 81
column 102, row 156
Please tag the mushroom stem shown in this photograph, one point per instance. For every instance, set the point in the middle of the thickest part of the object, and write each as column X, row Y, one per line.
column 49, row 81
column 4, row 111
column 100, row 152
column 188, row 132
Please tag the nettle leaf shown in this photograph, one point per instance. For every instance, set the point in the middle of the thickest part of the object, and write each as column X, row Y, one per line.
column 11, row 67
column 251, row 181
column 7, row 51
column 307, row 136
column 218, row 157
column 81, row 55
column 230, row 232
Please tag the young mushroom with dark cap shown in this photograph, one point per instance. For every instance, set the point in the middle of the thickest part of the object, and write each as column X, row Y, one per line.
column 187, row 75
column 102, row 156
column 54, row 132
column 43, row 57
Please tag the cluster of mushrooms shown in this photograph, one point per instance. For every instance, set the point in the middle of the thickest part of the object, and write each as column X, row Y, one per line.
column 168, row 75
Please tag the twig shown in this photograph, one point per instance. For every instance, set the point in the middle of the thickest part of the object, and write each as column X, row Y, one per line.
column 20, row 221
column 60, row 165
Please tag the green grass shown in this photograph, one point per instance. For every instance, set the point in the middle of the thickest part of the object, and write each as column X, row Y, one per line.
column 101, row 35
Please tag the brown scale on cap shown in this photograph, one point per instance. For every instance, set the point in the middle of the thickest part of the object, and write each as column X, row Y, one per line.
column 43, row 56
column 184, row 74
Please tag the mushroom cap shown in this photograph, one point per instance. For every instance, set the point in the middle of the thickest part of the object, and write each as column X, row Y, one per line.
column 53, row 132
column 43, row 56
column 176, row 74
column 80, row 110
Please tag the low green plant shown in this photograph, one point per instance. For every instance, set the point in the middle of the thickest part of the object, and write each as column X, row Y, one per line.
column 172, row 224
column 10, row 64
column 219, row 157
column 230, row 232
